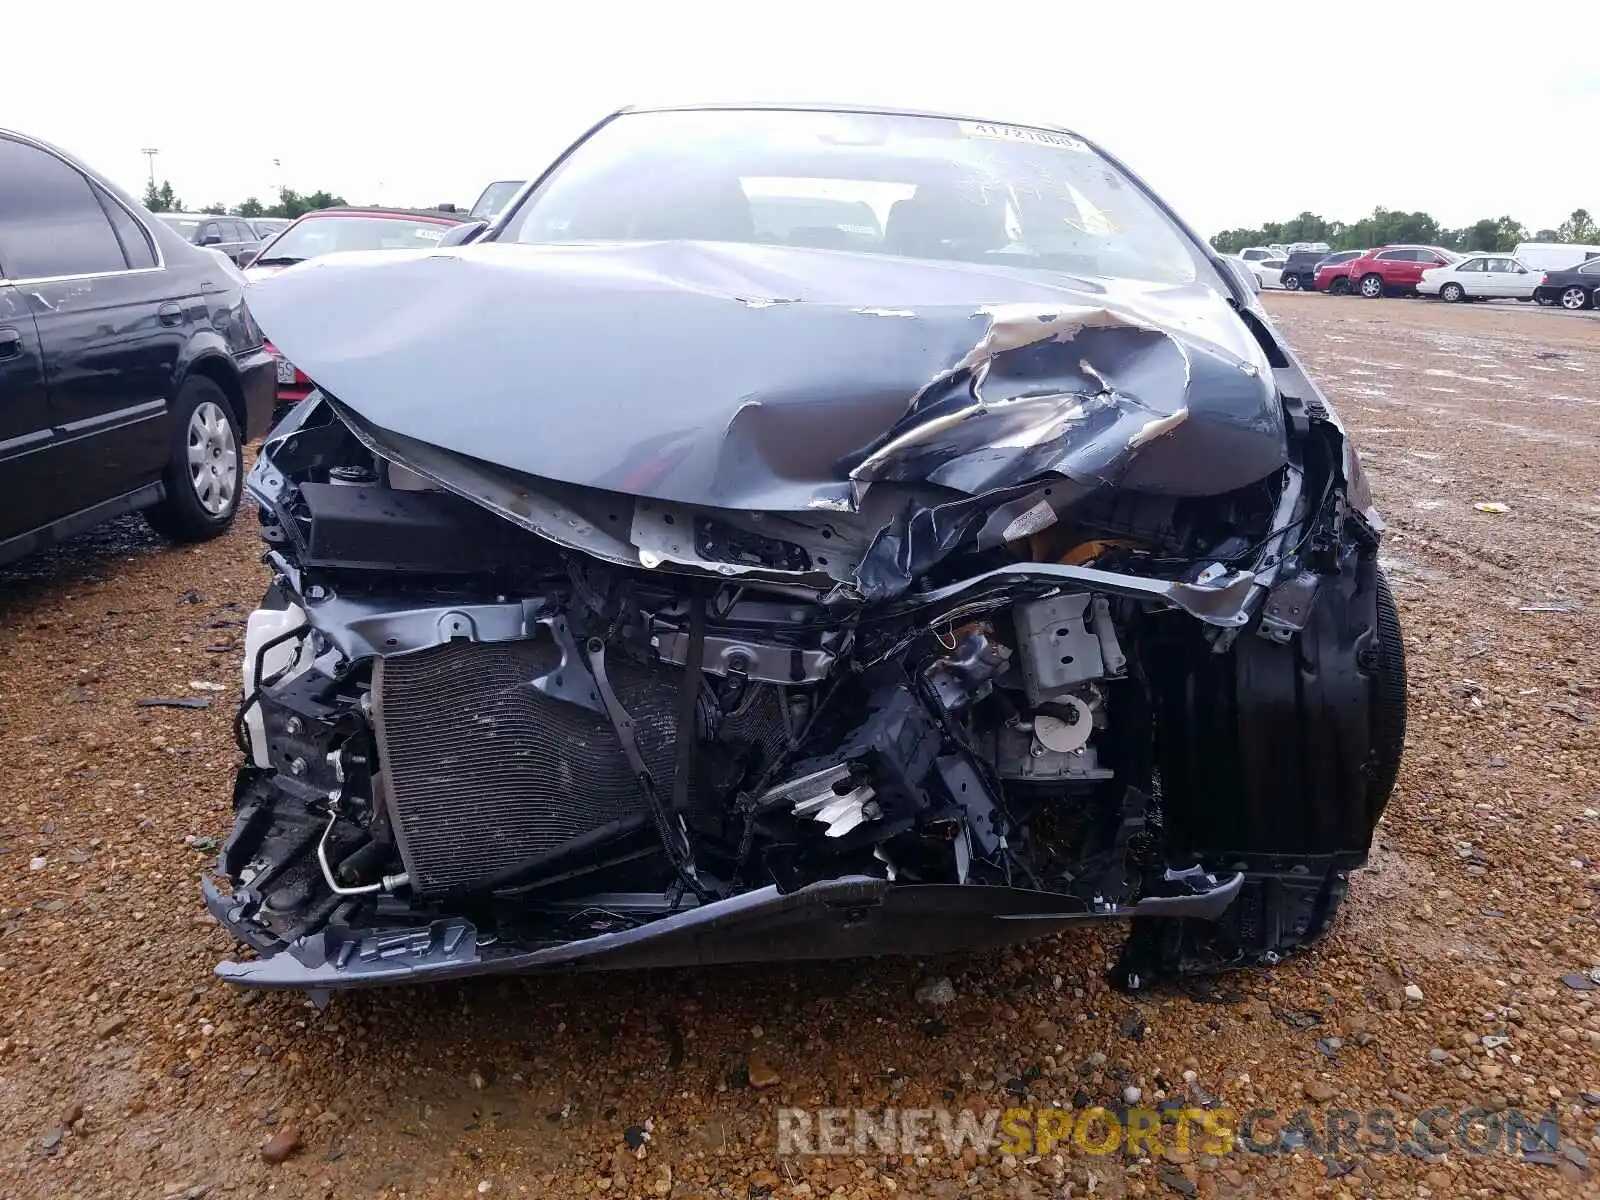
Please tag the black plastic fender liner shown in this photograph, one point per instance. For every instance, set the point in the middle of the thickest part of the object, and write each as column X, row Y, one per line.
column 1274, row 748
column 1277, row 760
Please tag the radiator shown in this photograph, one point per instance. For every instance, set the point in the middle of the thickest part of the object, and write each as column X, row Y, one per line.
column 482, row 772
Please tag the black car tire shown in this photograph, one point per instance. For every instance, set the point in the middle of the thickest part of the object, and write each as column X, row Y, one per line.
column 1452, row 293
column 1371, row 286
column 182, row 515
column 1575, row 298
column 1340, row 286
column 1291, row 282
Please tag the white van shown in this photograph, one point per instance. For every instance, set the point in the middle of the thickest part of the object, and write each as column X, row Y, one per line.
column 1553, row 256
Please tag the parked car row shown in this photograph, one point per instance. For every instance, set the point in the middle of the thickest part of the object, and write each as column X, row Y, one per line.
column 237, row 237
column 1550, row 273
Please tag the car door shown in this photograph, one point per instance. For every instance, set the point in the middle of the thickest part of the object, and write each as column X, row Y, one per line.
column 243, row 240
column 1496, row 278
column 1470, row 275
column 111, row 322
column 25, row 426
column 1405, row 267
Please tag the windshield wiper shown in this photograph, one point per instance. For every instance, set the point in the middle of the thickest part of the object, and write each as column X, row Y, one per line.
column 286, row 259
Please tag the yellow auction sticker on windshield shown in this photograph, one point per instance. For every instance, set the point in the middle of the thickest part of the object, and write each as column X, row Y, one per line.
column 1020, row 133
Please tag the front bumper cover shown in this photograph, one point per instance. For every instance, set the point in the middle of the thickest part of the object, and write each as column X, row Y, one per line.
column 850, row 917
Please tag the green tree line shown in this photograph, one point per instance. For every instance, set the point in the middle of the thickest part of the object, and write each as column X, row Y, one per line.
column 1386, row 226
column 290, row 202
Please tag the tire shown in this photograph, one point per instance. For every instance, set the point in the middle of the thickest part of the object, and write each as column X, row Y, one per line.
column 1574, row 298
column 204, row 478
column 1388, row 701
column 1371, row 287
column 1452, row 293
column 1340, row 286
column 1291, row 283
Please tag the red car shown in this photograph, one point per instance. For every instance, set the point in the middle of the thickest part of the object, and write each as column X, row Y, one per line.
column 1395, row 270
column 1333, row 272
column 338, row 229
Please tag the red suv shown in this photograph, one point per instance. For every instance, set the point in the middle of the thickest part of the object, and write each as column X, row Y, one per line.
column 1395, row 270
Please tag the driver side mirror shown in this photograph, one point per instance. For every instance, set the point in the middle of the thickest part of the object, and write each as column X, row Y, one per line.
column 460, row 235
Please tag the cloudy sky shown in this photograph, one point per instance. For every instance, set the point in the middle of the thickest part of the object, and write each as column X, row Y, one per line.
column 1238, row 112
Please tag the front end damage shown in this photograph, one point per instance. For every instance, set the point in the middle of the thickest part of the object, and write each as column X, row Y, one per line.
column 1005, row 619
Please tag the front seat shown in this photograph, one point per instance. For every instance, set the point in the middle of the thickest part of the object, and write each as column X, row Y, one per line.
column 938, row 222
column 705, row 210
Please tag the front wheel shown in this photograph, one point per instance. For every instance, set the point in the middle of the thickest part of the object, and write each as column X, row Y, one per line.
column 1452, row 293
column 1291, row 283
column 1371, row 286
column 1574, row 298
column 207, row 464
column 1340, row 286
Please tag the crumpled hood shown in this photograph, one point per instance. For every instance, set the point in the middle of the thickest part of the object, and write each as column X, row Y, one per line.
column 780, row 379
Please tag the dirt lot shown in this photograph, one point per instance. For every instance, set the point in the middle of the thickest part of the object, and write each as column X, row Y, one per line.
column 125, row 1070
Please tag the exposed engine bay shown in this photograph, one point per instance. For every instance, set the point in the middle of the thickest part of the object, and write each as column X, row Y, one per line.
column 1033, row 659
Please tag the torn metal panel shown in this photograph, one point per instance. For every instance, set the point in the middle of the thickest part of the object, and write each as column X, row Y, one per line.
column 507, row 354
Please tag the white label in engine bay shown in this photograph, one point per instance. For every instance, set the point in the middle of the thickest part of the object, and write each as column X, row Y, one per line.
column 1020, row 133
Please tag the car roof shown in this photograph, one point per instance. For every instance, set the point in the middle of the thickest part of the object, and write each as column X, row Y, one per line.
column 354, row 210
column 870, row 110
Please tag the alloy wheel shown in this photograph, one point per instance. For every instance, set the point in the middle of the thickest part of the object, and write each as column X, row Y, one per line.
column 1574, row 298
column 213, row 459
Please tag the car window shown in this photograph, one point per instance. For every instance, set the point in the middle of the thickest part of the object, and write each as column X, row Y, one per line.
column 939, row 188
column 185, row 227
column 327, row 234
column 1592, row 267
column 50, row 221
column 209, row 229
column 242, row 232
column 1473, row 264
column 136, row 244
column 1396, row 256
column 1254, row 255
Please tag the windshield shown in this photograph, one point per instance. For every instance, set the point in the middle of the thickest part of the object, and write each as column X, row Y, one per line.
column 185, row 226
column 918, row 187
column 495, row 197
column 324, row 235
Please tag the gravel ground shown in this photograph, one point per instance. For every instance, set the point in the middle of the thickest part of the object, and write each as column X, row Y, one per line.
column 125, row 1070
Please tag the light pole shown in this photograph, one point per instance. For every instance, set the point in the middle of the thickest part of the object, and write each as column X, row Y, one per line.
column 277, row 180
column 150, row 152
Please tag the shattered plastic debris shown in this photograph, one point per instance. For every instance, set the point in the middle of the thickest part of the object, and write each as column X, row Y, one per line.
column 1492, row 506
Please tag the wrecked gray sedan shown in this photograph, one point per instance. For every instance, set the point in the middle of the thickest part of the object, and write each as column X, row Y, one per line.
column 797, row 533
